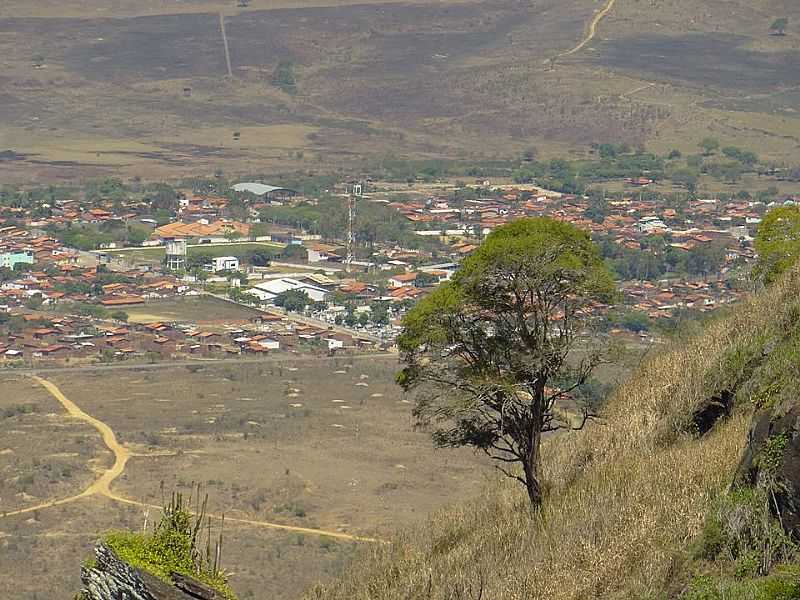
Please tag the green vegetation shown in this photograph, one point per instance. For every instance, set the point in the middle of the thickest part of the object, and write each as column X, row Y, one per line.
column 328, row 217
column 482, row 350
column 656, row 258
column 742, row 551
column 777, row 242
column 284, row 78
column 172, row 547
column 292, row 300
column 779, row 26
column 622, row 498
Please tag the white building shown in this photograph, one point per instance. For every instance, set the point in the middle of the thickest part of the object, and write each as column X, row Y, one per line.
column 223, row 263
column 334, row 344
column 267, row 290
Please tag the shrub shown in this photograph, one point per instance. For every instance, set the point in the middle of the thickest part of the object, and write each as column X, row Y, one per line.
column 171, row 548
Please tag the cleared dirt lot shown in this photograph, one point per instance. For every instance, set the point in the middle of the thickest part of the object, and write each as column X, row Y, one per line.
column 323, row 444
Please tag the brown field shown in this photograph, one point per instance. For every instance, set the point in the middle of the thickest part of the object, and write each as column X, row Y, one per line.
column 469, row 80
column 297, row 442
column 204, row 309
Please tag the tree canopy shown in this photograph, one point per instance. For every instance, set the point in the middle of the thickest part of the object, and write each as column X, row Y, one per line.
column 480, row 350
column 777, row 242
column 779, row 26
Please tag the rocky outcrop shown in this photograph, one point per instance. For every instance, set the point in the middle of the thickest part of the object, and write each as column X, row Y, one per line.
column 112, row 579
column 772, row 457
column 712, row 410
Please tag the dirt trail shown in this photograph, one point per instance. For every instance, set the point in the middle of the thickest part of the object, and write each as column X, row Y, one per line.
column 102, row 486
column 225, row 44
column 591, row 30
column 121, row 454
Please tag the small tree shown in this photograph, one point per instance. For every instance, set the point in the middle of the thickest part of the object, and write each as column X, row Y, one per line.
column 779, row 26
column 293, row 300
column 283, row 77
column 481, row 350
column 120, row 315
column 709, row 145
column 777, row 243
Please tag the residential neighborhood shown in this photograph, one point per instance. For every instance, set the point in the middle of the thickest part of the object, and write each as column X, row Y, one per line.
column 324, row 285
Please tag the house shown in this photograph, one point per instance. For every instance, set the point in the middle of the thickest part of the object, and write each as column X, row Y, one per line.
column 402, row 280
column 223, row 263
column 333, row 343
column 322, row 253
column 9, row 260
column 122, row 300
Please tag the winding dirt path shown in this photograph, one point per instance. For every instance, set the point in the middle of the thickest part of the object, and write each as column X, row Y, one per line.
column 102, row 486
column 591, row 30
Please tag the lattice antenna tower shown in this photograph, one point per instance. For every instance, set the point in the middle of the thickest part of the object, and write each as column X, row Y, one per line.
column 351, row 206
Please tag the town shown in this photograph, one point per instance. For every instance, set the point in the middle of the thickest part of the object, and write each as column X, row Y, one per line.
column 90, row 274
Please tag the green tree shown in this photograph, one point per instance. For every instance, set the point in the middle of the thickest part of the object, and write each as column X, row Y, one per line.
column 379, row 313
column 136, row 235
column 709, row 145
column 481, row 350
column 777, row 243
column 686, row 178
column 120, row 315
column 779, row 26
column 260, row 257
column 283, row 77
column 350, row 318
column 292, row 300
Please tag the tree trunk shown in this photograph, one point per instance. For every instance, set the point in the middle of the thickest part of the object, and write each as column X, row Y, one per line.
column 531, row 463
column 532, row 484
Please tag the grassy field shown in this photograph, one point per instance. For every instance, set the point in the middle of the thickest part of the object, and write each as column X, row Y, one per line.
column 204, row 309
column 143, row 89
column 156, row 253
column 317, row 443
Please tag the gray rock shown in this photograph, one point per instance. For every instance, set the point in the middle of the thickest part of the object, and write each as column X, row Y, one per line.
column 112, row 579
column 773, row 454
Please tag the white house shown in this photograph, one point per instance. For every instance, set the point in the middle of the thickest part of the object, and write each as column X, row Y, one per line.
column 269, row 344
column 334, row 344
column 223, row 263
column 321, row 253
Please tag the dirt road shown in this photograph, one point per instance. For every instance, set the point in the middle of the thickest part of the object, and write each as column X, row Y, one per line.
column 102, row 486
column 591, row 30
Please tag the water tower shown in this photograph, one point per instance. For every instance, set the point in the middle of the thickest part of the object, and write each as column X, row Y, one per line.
column 176, row 253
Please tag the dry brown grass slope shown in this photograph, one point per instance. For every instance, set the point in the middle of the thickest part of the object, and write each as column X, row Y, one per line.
column 625, row 497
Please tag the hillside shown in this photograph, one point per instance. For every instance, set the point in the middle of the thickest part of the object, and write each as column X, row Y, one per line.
column 640, row 505
column 92, row 88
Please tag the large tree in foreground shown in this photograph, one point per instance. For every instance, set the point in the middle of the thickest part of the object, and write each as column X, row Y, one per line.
column 489, row 353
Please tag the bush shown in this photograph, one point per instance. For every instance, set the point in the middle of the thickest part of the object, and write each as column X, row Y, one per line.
column 171, row 548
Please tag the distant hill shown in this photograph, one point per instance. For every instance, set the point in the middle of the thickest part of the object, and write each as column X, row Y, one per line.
column 668, row 496
column 94, row 88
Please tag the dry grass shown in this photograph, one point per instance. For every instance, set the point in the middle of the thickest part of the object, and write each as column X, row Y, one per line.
column 625, row 497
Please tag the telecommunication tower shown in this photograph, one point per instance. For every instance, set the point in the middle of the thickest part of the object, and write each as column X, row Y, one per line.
column 351, row 201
